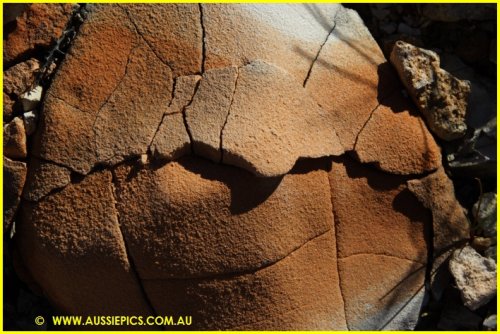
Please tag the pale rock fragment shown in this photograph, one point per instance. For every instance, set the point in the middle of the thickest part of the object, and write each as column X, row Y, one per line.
column 475, row 277
column 440, row 97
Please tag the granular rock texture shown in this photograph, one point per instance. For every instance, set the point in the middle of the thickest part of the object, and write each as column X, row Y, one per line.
column 38, row 26
column 441, row 97
column 85, row 260
column 251, row 166
column 475, row 276
column 14, row 175
column 43, row 178
column 14, row 139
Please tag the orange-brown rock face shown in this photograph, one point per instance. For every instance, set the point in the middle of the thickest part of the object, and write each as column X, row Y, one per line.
column 39, row 25
column 251, row 166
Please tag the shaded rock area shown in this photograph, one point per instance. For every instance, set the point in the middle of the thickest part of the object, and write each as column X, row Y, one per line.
column 255, row 167
column 462, row 37
column 36, row 37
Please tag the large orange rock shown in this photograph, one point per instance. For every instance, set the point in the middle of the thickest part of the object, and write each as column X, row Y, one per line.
column 190, row 161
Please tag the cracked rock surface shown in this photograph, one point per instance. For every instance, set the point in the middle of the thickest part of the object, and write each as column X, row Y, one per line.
column 252, row 166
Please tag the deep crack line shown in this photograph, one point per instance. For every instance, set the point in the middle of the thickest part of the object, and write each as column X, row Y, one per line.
column 145, row 40
column 184, row 116
column 133, row 268
column 203, row 41
column 383, row 255
column 174, row 85
column 221, row 149
column 319, row 51
column 335, row 228
column 364, row 125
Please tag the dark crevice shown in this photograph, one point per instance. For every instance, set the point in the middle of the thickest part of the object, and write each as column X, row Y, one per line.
column 174, row 85
column 62, row 45
column 133, row 268
column 59, row 164
column 184, row 116
column 145, row 40
column 203, row 36
column 221, row 137
column 364, row 125
column 382, row 254
column 318, row 53
column 57, row 50
column 335, row 228
column 231, row 275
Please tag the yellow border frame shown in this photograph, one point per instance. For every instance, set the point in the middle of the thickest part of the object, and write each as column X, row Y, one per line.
column 214, row 1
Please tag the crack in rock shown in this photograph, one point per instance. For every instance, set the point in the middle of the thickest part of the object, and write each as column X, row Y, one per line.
column 319, row 51
column 221, row 146
column 203, row 42
column 144, row 39
column 133, row 268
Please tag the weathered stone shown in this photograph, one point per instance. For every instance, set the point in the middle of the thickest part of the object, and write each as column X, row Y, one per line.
column 271, row 298
column 235, row 35
column 475, row 277
column 39, row 25
column 349, row 74
column 172, row 139
column 64, row 136
column 396, row 140
column 134, row 118
column 100, row 119
column 364, row 200
column 384, row 295
column 215, row 205
column 184, row 89
column 273, row 121
column 80, row 222
column 450, row 224
column 490, row 323
column 275, row 241
column 44, row 177
column 14, row 140
column 20, row 77
column 381, row 273
column 30, row 99
column 440, row 97
column 485, row 214
column 8, row 105
column 207, row 114
column 14, row 176
column 179, row 42
column 95, row 56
